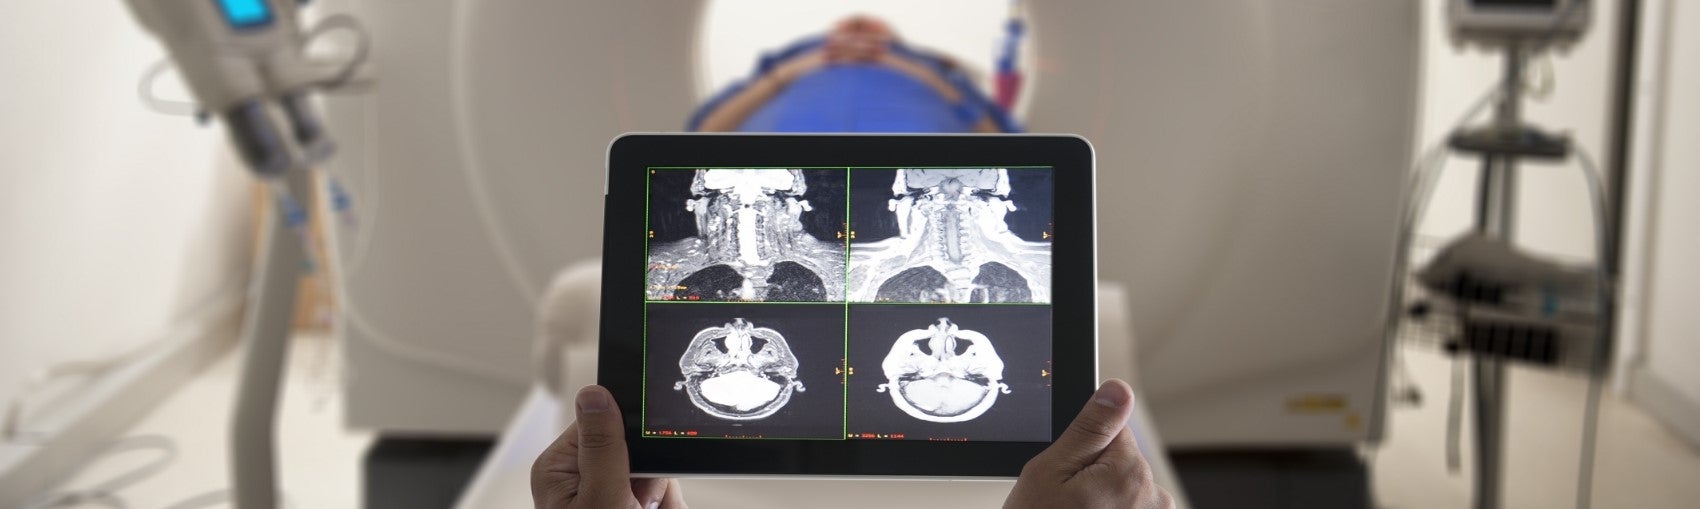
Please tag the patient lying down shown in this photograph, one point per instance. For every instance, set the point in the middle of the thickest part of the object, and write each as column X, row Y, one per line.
column 857, row 78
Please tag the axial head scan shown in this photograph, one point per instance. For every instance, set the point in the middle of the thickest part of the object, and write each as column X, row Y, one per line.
column 943, row 373
column 738, row 371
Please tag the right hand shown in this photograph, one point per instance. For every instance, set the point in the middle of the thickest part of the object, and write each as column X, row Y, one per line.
column 587, row 466
column 1095, row 463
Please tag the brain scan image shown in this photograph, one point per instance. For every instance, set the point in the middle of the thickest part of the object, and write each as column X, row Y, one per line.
column 953, row 242
column 738, row 371
column 751, row 235
column 943, row 373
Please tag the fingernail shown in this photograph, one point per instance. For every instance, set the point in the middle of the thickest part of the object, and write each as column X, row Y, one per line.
column 653, row 505
column 592, row 400
column 1111, row 396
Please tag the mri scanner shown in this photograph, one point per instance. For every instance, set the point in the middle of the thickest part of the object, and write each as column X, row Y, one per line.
column 1251, row 159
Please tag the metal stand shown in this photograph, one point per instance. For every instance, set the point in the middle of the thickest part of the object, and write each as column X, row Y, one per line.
column 264, row 348
column 1496, row 206
column 1501, row 144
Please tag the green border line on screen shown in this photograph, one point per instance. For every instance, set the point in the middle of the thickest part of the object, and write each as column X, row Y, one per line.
column 845, row 302
column 844, row 363
column 643, row 419
column 643, row 396
column 956, row 167
column 839, row 303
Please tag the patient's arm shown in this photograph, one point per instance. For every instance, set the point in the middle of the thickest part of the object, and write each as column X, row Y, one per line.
column 922, row 73
column 932, row 79
column 857, row 39
column 734, row 110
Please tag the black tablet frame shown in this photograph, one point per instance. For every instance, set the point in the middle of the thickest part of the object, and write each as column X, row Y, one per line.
column 1074, row 296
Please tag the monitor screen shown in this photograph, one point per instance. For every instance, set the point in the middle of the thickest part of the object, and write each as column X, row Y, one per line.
column 245, row 13
column 1544, row 5
column 848, row 304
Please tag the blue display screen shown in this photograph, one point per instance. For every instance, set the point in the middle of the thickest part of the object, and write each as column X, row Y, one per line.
column 245, row 13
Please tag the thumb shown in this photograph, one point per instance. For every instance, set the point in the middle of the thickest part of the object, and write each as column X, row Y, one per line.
column 1104, row 417
column 602, row 457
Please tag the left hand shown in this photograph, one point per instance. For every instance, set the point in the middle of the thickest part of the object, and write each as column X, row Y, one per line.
column 587, row 466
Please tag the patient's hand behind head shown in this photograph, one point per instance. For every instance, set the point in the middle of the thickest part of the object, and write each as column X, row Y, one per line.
column 858, row 39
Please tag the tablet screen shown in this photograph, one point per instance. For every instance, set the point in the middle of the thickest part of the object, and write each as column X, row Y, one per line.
column 848, row 304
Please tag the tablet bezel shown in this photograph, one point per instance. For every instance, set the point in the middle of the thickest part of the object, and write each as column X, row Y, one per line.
column 1074, row 297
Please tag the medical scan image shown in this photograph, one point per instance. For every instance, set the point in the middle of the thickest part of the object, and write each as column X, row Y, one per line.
column 772, row 235
column 951, row 235
column 950, row 372
column 743, row 370
column 738, row 371
column 943, row 373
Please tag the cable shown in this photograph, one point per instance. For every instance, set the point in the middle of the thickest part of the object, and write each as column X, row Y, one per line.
column 221, row 300
column 362, row 50
column 208, row 499
column 105, row 492
column 144, row 91
column 1606, row 286
column 370, row 185
column 355, row 317
column 1547, row 83
column 1455, row 417
column 348, row 308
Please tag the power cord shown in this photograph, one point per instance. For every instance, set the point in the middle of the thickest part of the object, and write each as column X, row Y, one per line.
column 106, row 492
column 222, row 300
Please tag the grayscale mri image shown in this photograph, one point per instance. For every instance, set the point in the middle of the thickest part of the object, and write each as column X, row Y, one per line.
column 943, row 373
column 951, row 235
column 738, row 371
column 732, row 235
column 744, row 370
column 950, row 372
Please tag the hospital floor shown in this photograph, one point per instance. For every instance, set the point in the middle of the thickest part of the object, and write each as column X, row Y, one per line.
column 1640, row 464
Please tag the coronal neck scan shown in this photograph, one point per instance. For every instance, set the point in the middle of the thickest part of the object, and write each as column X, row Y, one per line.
column 943, row 373
column 750, row 243
column 953, row 244
column 738, row 371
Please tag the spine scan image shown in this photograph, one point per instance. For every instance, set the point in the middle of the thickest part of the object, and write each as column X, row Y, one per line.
column 738, row 371
column 943, row 373
column 750, row 243
column 953, row 244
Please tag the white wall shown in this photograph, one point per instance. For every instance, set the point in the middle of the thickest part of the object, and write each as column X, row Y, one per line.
column 1665, row 380
column 115, row 219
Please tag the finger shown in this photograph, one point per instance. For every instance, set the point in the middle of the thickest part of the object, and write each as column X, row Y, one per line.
column 554, row 475
column 675, row 498
column 650, row 492
column 602, row 461
column 1122, row 454
column 1104, row 417
column 1118, row 471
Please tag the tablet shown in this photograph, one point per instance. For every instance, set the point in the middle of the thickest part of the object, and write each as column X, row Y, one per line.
column 847, row 305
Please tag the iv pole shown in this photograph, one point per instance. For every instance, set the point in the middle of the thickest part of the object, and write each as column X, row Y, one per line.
column 1501, row 144
column 264, row 348
column 1496, row 217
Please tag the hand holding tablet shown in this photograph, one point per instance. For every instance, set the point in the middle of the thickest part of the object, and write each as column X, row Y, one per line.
column 1094, row 464
column 893, row 306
